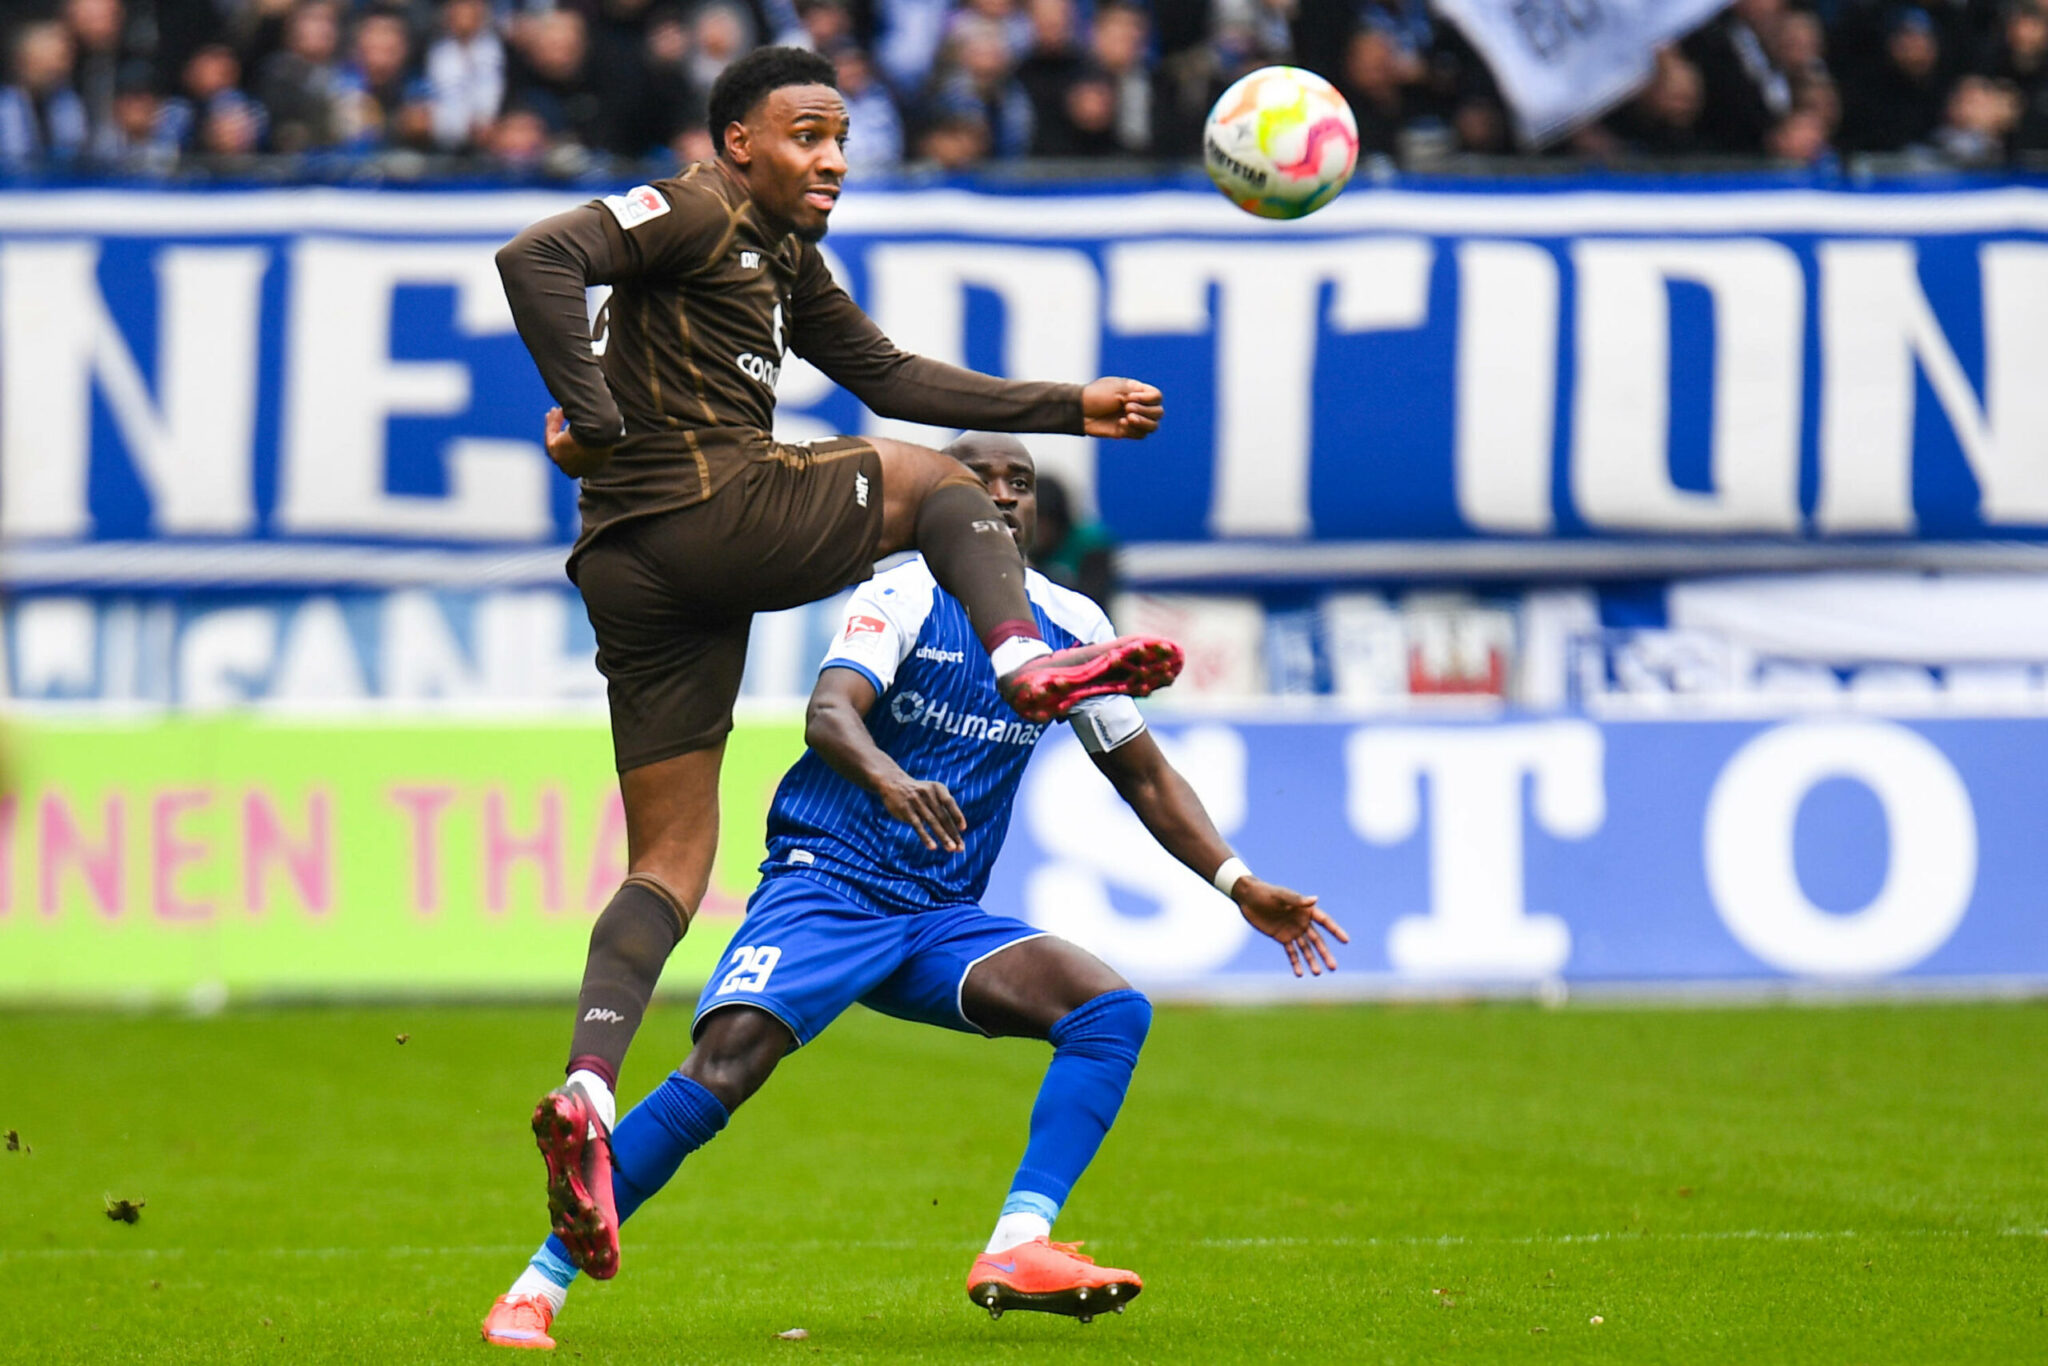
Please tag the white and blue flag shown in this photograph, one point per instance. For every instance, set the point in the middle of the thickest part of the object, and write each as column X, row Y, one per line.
column 1562, row 62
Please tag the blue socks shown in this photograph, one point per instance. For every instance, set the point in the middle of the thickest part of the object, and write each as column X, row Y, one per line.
column 1095, row 1050
column 651, row 1140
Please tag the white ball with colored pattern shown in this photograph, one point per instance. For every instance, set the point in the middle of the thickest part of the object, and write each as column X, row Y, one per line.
column 1281, row 142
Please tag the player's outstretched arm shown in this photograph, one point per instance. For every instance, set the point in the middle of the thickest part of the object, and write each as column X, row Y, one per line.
column 835, row 725
column 545, row 270
column 831, row 332
column 1168, row 806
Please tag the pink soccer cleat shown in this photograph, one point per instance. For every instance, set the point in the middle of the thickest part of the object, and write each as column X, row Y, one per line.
column 578, row 1150
column 1046, row 688
column 1052, row 1278
column 520, row 1321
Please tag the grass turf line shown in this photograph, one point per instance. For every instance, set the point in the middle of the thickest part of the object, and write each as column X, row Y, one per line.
column 1319, row 1184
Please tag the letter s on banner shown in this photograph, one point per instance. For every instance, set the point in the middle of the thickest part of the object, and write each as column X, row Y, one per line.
column 1754, row 879
column 1093, row 842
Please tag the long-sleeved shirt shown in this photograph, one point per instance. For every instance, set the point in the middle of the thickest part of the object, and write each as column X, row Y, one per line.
column 680, row 380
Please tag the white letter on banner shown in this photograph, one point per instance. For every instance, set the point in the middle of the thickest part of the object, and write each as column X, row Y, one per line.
column 1093, row 842
column 1266, row 330
column 1477, row 925
column 1052, row 327
column 226, row 657
column 343, row 388
column 1875, row 324
column 1621, row 418
column 1754, row 878
column 194, row 451
column 1507, row 385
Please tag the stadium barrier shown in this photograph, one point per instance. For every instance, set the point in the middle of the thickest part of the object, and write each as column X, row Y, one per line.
column 186, row 859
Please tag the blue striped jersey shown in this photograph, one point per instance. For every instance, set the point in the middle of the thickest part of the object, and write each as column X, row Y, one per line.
column 939, row 716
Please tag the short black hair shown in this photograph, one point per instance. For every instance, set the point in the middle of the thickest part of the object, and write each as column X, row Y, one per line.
column 753, row 77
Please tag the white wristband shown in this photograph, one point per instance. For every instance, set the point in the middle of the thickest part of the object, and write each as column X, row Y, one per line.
column 1226, row 876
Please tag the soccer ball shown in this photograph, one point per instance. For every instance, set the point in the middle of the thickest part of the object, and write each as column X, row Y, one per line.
column 1280, row 143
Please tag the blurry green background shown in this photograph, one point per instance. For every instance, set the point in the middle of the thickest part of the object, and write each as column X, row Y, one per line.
column 171, row 859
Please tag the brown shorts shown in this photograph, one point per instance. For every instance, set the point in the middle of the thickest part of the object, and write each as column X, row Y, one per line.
column 672, row 595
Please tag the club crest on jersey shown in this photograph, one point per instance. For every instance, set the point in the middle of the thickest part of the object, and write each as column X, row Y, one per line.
column 864, row 626
column 636, row 206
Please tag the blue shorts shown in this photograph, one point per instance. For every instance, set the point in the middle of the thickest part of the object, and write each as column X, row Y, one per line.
column 808, row 949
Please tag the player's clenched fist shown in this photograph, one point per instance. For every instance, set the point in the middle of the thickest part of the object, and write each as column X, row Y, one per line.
column 928, row 808
column 1115, row 407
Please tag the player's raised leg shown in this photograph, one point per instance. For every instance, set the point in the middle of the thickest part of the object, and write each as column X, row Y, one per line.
column 932, row 502
column 1046, row 988
column 673, row 668
column 735, row 1053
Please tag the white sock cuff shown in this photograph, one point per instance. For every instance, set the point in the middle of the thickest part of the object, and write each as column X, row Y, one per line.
column 1020, row 1226
column 601, row 1096
column 534, row 1281
column 1014, row 653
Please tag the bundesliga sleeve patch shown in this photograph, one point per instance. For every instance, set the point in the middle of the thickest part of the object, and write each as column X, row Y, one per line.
column 858, row 627
column 636, row 206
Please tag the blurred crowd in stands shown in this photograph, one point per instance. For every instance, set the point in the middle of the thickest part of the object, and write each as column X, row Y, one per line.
column 562, row 88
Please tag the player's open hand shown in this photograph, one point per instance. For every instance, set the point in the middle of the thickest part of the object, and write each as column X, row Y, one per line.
column 571, row 456
column 1293, row 919
column 929, row 809
column 1121, row 408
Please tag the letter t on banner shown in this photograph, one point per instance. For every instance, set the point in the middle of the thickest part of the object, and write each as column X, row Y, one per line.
column 1478, row 927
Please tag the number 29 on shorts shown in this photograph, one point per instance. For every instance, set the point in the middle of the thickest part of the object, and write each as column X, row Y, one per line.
column 750, row 966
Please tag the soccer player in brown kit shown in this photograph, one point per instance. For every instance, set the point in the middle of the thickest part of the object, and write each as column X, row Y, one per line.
column 694, row 517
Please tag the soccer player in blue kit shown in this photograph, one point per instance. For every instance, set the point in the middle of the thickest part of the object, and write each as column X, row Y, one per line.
column 880, row 842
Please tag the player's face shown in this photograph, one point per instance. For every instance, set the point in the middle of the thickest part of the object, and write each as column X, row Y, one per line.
column 789, row 148
column 1012, row 481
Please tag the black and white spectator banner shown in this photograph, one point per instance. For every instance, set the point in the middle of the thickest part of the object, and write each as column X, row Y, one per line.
column 1561, row 62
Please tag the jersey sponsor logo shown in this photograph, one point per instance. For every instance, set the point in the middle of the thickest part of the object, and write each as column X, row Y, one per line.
column 938, row 656
column 636, row 206
column 759, row 368
column 864, row 626
column 911, row 709
column 750, row 260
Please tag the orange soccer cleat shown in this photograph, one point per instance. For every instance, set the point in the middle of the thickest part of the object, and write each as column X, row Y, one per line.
column 578, row 1150
column 1046, row 688
column 1052, row 1278
column 520, row 1321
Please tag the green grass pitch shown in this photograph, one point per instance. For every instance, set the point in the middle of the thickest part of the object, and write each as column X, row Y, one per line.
column 1322, row 1184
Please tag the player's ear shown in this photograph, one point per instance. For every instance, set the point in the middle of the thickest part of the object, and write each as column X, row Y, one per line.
column 737, row 144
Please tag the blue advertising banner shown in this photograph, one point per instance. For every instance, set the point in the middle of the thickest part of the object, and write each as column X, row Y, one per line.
column 1844, row 850
column 245, row 387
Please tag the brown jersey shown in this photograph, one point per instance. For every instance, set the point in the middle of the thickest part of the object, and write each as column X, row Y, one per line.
column 705, row 300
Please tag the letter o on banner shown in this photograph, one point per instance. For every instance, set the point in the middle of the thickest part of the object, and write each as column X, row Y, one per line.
column 1754, row 880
